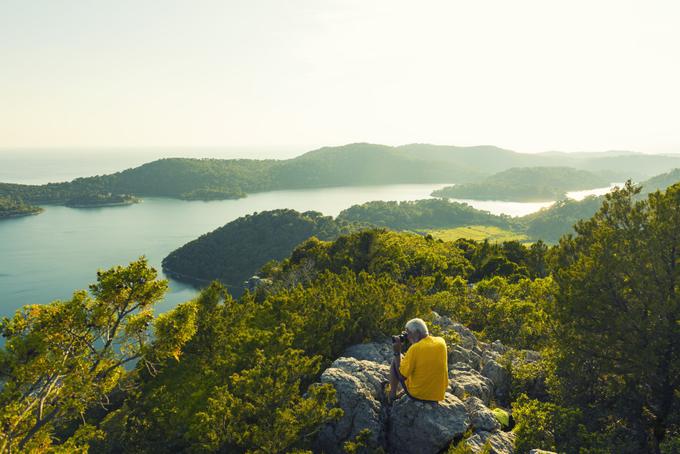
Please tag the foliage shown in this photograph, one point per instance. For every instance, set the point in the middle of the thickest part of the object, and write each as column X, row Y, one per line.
column 62, row 358
column 617, row 314
column 514, row 313
column 502, row 417
column 547, row 426
column 420, row 262
column 360, row 444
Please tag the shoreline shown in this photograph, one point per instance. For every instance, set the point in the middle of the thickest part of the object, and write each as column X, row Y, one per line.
column 20, row 215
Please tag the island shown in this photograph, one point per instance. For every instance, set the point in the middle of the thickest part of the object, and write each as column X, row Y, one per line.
column 13, row 208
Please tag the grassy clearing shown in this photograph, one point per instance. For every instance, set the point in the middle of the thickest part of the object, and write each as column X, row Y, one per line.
column 478, row 233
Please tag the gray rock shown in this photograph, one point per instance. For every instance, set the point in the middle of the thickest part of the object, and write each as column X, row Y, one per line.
column 500, row 377
column 359, row 394
column 424, row 427
column 377, row 352
column 459, row 366
column 541, row 451
column 498, row 347
column 500, row 442
column 490, row 355
column 466, row 383
column 481, row 417
column 467, row 338
column 459, row 354
column 478, row 350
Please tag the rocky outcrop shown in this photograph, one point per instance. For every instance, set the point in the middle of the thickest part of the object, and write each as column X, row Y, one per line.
column 476, row 380
column 468, row 382
column 459, row 354
column 424, row 427
column 374, row 351
column 359, row 394
column 481, row 418
column 498, row 374
column 499, row 442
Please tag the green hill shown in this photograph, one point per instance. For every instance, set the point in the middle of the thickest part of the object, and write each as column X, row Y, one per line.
column 661, row 182
column 237, row 250
column 421, row 214
column 366, row 164
column 526, row 184
column 549, row 224
column 348, row 165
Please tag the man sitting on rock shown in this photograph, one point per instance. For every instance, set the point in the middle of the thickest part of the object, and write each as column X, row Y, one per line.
column 423, row 371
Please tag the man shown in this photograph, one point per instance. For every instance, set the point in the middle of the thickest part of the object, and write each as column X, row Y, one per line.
column 423, row 372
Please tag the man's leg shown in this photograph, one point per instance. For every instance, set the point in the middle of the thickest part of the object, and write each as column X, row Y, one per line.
column 395, row 380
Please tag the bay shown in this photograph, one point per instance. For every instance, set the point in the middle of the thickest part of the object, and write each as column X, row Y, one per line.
column 48, row 256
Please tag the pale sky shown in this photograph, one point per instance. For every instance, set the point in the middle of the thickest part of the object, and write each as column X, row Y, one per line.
column 529, row 75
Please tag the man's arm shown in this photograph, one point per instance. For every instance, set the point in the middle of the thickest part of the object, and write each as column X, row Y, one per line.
column 398, row 358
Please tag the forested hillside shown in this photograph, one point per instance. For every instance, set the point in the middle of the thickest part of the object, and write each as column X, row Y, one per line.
column 661, row 182
column 599, row 313
column 526, row 184
column 549, row 224
column 353, row 164
column 236, row 251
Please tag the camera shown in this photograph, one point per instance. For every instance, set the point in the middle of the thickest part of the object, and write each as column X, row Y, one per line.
column 403, row 337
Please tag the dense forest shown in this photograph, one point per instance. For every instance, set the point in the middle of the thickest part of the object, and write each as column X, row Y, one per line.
column 600, row 309
column 526, row 184
column 234, row 252
column 348, row 165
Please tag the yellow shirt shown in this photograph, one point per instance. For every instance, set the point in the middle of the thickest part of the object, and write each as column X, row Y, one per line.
column 425, row 367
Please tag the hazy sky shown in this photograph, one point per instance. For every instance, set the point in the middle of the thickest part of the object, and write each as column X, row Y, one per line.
column 526, row 75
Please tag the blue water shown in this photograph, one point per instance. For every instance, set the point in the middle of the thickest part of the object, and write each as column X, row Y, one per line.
column 48, row 256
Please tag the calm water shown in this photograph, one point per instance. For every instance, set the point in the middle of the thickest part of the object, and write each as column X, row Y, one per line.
column 48, row 256
column 580, row 195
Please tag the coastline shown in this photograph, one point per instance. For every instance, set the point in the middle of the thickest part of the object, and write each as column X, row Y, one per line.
column 20, row 215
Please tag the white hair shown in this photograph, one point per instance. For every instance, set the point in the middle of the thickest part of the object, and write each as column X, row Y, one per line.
column 417, row 325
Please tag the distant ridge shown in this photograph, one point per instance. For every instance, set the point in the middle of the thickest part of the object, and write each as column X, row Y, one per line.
column 357, row 164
